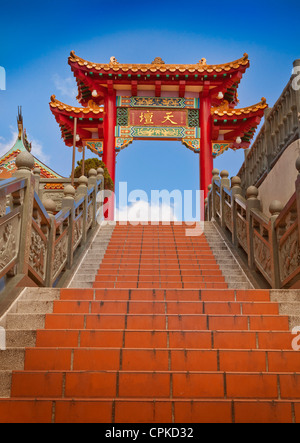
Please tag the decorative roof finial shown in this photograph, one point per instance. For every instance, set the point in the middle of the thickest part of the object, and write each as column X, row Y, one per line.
column 113, row 60
column 20, row 122
column 158, row 61
column 22, row 132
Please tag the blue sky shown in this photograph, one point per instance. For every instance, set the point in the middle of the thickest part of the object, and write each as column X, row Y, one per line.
column 37, row 37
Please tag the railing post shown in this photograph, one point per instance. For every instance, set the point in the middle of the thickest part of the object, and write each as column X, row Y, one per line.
column 206, row 209
column 275, row 208
column 296, row 88
column 298, row 195
column 68, row 204
column 50, row 207
column 25, row 164
column 216, row 177
column 92, row 183
column 246, row 169
column 225, row 183
column 252, row 203
column 37, row 177
column 100, row 198
column 268, row 147
column 235, row 190
column 82, row 191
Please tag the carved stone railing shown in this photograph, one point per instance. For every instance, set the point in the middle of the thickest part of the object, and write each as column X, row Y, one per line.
column 280, row 129
column 271, row 244
column 37, row 242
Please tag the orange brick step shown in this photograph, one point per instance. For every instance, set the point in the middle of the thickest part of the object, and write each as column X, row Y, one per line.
column 160, row 338
column 157, row 339
column 148, row 411
column 178, row 385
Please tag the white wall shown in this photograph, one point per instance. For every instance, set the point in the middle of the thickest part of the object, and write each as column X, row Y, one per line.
column 280, row 182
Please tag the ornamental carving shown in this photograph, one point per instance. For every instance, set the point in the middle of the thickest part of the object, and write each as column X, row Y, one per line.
column 262, row 255
column 122, row 116
column 37, row 254
column 9, row 242
column 289, row 255
column 60, row 256
column 227, row 216
column 89, row 215
column 158, row 61
column 2, row 206
column 217, row 204
column 193, row 118
column 241, row 232
column 78, row 229
column 57, row 197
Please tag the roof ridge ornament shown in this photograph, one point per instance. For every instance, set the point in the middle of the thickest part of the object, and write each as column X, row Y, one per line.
column 158, row 61
column 202, row 62
column 92, row 105
column 22, row 135
column 113, row 61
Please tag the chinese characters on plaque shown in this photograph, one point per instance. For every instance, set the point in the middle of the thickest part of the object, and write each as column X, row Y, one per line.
column 138, row 117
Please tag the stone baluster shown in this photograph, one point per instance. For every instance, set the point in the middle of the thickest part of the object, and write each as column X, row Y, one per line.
column 252, row 203
column 298, row 194
column 37, row 177
column 235, row 190
column 208, row 210
column 92, row 183
column 100, row 194
column 50, row 207
column 82, row 192
column 25, row 164
column 68, row 203
column 215, row 177
column 225, row 183
column 296, row 89
column 275, row 209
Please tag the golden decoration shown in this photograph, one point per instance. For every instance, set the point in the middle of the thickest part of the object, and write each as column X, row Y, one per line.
column 201, row 66
column 92, row 107
column 224, row 109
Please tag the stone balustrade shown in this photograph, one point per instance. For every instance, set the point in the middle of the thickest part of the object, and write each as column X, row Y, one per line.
column 42, row 237
column 271, row 243
column 280, row 129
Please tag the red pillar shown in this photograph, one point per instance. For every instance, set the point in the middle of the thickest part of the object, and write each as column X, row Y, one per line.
column 206, row 158
column 109, row 151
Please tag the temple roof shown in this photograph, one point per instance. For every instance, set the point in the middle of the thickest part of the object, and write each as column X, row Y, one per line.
column 7, row 161
column 91, row 108
column 94, row 79
column 225, row 110
column 228, row 123
column 159, row 66
column 90, row 120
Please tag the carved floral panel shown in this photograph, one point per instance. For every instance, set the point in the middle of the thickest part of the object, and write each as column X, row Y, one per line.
column 262, row 255
column 9, row 241
column 78, row 230
column 241, row 232
column 289, row 255
column 60, row 256
column 37, row 253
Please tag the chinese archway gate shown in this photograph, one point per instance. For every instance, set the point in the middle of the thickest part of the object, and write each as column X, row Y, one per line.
column 195, row 104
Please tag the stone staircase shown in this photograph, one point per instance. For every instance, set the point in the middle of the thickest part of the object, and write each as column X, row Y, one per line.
column 169, row 332
column 231, row 270
column 85, row 275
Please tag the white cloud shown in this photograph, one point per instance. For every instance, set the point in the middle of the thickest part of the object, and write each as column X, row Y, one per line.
column 144, row 211
column 37, row 148
column 37, row 151
column 5, row 146
column 66, row 86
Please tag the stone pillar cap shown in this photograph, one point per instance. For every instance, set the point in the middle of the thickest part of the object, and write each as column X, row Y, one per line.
column 25, row 160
